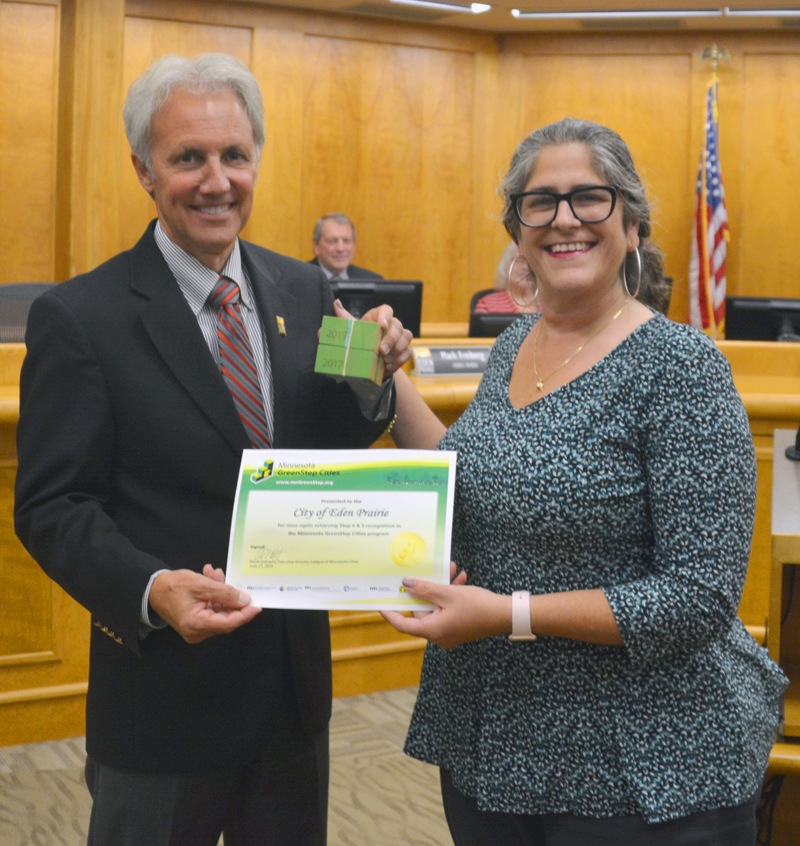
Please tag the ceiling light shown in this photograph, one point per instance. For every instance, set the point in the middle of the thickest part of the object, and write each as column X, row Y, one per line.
column 471, row 8
column 763, row 13
column 630, row 13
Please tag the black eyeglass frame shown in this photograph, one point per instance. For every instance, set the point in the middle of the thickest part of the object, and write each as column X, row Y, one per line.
column 515, row 199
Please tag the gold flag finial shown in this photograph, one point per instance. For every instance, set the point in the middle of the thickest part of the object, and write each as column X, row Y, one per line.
column 715, row 53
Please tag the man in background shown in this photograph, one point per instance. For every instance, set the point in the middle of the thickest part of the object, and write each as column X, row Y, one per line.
column 143, row 382
column 334, row 243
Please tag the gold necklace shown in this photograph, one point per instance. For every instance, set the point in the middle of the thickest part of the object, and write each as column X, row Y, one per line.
column 540, row 380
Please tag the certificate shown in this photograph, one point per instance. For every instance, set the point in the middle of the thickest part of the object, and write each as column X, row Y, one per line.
column 340, row 529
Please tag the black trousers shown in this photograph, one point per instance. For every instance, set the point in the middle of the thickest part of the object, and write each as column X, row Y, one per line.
column 470, row 826
column 280, row 799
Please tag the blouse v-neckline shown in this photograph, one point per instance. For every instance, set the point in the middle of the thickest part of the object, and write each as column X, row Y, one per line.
column 607, row 357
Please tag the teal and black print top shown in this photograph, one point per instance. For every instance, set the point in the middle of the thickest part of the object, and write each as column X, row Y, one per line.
column 638, row 477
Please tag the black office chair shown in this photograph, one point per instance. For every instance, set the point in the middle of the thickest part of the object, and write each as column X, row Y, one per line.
column 15, row 303
column 487, row 324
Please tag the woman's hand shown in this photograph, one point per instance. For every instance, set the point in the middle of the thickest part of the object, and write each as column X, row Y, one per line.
column 464, row 613
column 460, row 579
column 396, row 343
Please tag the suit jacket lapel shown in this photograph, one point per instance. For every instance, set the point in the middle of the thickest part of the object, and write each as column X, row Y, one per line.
column 273, row 302
column 173, row 329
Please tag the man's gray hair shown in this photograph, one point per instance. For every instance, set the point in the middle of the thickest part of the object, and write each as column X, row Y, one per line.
column 337, row 217
column 209, row 72
column 613, row 162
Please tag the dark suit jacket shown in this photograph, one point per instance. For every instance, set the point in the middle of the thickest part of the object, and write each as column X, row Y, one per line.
column 129, row 447
column 354, row 272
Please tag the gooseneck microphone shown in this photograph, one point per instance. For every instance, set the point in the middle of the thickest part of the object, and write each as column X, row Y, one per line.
column 793, row 452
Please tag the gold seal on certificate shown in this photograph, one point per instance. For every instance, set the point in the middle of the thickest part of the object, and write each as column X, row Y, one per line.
column 407, row 549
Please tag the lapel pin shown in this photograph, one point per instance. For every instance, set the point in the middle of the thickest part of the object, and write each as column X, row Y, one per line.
column 281, row 326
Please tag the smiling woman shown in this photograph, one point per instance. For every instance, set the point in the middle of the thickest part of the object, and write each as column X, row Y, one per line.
column 603, row 514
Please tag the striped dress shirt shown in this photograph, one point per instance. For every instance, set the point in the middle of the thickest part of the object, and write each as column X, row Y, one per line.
column 197, row 281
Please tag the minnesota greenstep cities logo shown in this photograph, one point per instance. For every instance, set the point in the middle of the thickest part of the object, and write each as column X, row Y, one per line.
column 263, row 472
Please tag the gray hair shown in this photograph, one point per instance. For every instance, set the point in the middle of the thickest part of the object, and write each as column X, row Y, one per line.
column 209, row 72
column 613, row 162
column 501, row 274
column 337, row 217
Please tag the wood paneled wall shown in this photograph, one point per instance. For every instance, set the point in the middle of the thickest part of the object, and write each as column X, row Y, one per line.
column 406, row 128
column 28, row 100
column 768, row 171
column 44, row 635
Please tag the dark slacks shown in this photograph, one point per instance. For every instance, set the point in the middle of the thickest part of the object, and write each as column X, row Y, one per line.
column 470, row 826
column 279, row 799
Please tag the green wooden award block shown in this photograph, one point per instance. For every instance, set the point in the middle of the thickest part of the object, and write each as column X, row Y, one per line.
column 350, row 349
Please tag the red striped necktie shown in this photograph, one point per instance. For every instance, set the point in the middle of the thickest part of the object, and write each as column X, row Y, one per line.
column 237, row 363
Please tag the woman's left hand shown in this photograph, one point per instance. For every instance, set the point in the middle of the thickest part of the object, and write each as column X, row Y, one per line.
column 464, row 613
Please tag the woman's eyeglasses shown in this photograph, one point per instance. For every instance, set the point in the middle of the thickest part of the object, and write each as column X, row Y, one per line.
column 592, row 204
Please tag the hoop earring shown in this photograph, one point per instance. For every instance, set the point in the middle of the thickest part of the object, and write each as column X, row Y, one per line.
column 509, row 288
column 625, row 278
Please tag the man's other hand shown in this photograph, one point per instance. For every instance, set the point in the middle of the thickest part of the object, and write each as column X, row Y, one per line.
column 396, row 343
column 200, row 606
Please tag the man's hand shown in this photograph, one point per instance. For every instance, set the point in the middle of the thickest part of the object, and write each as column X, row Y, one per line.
column 396, row 343
column 200, row 606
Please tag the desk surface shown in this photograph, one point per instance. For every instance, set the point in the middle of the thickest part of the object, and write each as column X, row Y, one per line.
column 755, row 365
column 784, row 759
column 767, row 376
column 443, row 330
column 9, row 404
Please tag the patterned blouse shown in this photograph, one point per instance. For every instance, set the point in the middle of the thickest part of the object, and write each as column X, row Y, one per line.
column 638, row 477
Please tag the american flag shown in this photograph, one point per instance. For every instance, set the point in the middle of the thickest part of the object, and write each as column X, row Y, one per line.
column 707, row 275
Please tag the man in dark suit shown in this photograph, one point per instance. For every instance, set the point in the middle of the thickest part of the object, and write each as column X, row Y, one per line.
column 203, row 715
column 334, row 243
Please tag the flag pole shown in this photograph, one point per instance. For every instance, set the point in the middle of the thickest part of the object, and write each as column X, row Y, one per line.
column 714, row 54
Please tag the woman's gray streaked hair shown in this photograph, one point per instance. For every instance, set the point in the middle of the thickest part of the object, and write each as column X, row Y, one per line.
column 209, row 72
column 613, row 162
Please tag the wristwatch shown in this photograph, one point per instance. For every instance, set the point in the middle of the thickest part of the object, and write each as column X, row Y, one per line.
column 521, row 616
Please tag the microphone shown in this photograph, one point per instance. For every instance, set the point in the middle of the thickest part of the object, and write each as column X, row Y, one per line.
column 793, row 452
column 786, row 332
